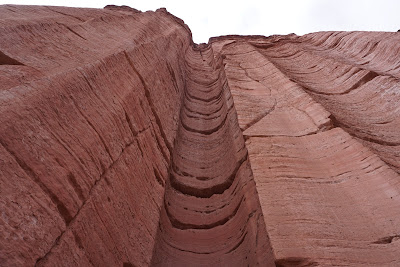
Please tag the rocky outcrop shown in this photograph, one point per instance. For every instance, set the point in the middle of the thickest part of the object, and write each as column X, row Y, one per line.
column 86, row 138
column 124, row 143
column 320, row 115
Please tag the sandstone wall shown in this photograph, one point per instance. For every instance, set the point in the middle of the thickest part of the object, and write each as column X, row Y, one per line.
column 86, row 138
column 123, row 143
column 320, row 115
column 113, row 109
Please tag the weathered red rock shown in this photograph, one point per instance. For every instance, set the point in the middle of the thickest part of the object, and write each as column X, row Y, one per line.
column 123, row 143
column 324, row 150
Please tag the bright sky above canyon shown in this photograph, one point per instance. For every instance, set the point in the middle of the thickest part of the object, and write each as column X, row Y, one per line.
column 208, row 18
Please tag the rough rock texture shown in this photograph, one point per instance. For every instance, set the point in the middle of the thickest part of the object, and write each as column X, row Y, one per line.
column 122, row 143
column 321, row 117
column 87, row 123
column 211, row 214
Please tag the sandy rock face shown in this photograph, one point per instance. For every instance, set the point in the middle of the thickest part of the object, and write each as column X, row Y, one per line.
column 123, row 143
column 324, row 146
column 86, row 138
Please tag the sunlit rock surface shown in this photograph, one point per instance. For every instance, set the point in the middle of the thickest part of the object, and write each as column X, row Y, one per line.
column 123, row 143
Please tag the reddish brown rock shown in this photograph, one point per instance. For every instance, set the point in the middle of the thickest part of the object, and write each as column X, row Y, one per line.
column 324, row 151
column 123, row 143
column 211, row 214
column 86, row 140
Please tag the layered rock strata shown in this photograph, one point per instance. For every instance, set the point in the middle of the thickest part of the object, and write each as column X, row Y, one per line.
column 121, row 108
column 123, row 143
column 211, row 214
column 322, row 140
column 86, row 133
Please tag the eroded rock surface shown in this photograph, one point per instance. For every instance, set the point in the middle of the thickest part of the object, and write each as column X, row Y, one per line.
column 86, row 138
column 323, row 142
column 123, row 143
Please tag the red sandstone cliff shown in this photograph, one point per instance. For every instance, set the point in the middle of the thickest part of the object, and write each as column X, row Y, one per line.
column 123, row 143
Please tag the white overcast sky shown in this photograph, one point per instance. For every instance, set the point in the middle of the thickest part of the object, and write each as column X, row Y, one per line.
column 208, row 18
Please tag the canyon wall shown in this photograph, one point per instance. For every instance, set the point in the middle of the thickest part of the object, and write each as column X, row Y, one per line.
column 87, row 132
column 320, row 115
column 123, row 143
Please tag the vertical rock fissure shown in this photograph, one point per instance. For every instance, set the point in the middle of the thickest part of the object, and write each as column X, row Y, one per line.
column 211, row 211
